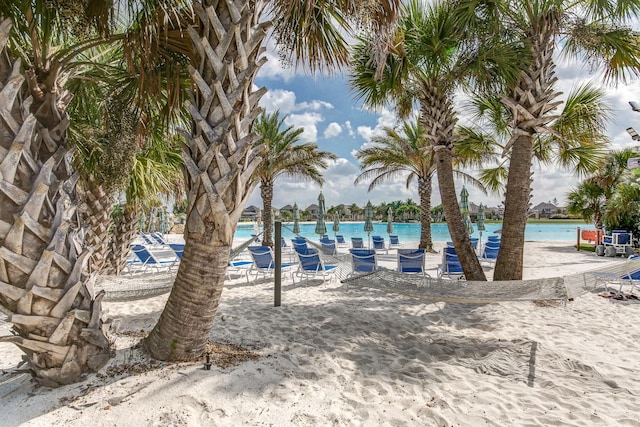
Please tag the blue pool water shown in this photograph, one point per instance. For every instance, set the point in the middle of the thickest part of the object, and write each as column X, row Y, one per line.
column 408, row 232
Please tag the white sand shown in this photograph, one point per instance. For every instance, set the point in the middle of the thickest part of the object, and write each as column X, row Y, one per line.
column 337, row 356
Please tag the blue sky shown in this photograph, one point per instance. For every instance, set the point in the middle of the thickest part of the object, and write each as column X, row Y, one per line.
column 326, row 108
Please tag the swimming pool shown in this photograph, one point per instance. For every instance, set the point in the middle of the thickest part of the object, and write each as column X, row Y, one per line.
column 408, row 232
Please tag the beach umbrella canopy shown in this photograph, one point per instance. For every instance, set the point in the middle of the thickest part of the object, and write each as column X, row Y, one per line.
column 389, row 220
column 480, row 220
column 142, row 222
column 464, row 201
column 464, row 209
column 164, row 222
column 336, row 224
column 468, row 224
column 368, row 218
column 296, row 219
column 321, row 227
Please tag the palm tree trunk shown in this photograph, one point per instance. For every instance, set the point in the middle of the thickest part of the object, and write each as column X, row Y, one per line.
column 266, row 192
column 43, row 290
column 438, row 119
column 531, row 104
column 424, row 190
column 510, row 262
column 98, row 219
column 124, row 232
column 468, row 259
column 219, row 164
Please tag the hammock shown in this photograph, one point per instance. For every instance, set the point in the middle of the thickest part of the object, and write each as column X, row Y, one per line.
column 462, row 291
column 465, row 291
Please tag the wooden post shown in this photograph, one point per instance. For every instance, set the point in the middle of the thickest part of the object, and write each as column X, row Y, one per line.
column 277, row 276
column 578, row 245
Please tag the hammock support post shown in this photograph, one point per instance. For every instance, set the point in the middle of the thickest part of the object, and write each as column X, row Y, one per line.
column 277, row 276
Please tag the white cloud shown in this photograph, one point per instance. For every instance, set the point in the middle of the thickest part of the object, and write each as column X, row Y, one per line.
column 279, row 99
column 338, row 188
column 285, row 101
column 315, row 105
column 307, row 121
column 274, row 68
column 350, row 131
column 333, row 130
column 387, row 119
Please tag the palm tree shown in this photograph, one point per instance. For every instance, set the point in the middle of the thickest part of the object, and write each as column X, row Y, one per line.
column 408, row 152
column 592, row 32
column 432, row 57
column 284, row 155
column 356, row 211
column 115, row 121
column 44, row 252
column 396, row 154
column 591, row 197
column 220, row 157
column 156, row 171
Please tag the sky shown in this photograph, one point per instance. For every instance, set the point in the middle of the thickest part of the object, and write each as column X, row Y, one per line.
column 327, row 110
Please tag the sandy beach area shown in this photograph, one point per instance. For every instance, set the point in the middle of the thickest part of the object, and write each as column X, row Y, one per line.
column 342, row 355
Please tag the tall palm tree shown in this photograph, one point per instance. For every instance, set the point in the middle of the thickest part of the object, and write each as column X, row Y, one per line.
column 284, row 155
column 592, row 32
column 56, row 317
column 408, row 152
column 398, row 153
column 42, row 268
column 220, row 156
column 431, row 58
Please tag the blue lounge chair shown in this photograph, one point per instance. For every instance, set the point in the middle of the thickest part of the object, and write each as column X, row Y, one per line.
column 148, row 260
column 340, row 240
column 148, row 240
column 357, row 243
column 299, row 244
column 239, row 267
column 311, row 266
column 490, row 252
column 363, row 261
column 263, row 262
column 329, row 247
column 450, row 267
column 393, row 240
column 493, row 237
column 411, row 261
column 378, row 243
column 178, row 248
column 159, row 238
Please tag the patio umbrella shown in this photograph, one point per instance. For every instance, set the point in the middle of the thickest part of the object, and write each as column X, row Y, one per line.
column 336, row 225
column 480, row 220
column 164, row 222
column 389, row 221
column 368, row 220
column 296, row 219
column 464, row 210
column 142, row 222
column 321, row 227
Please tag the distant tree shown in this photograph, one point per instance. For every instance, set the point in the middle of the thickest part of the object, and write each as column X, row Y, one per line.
column 284, row 155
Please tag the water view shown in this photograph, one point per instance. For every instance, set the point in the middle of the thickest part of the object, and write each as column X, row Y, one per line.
column 411, row 231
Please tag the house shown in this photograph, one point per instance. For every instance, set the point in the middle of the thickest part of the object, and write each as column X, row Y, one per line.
column 251, row 213
column 544, row 210
column 313, row 210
